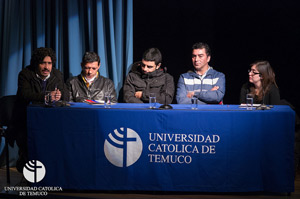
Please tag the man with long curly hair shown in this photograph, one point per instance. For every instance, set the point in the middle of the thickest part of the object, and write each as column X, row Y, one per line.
column 40, row 76
column 33, row 81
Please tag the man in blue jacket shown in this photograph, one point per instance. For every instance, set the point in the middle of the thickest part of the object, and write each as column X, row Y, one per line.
column 204, row 83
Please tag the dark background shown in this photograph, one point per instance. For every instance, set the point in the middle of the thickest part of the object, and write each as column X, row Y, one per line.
column 238, row 32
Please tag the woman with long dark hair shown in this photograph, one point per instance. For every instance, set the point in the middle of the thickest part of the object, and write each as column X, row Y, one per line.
column 261, row 84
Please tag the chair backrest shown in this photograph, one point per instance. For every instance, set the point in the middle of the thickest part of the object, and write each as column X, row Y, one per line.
column 7, row 104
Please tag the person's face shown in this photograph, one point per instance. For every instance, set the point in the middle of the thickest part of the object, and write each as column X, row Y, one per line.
column 90, row 69
column 45, row 68
column 254, row 75
column 200, row 59
column 149, row 66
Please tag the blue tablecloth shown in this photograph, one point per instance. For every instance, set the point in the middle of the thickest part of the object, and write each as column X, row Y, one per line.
column 217, row 148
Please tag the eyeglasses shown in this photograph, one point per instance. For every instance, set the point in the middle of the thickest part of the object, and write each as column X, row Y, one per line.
column 252, row 71
column 144, row 66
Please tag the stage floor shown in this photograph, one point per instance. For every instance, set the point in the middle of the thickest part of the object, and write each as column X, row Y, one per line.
column 16, row 180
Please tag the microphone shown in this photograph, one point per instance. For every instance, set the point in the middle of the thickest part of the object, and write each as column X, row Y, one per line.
column 165, row 105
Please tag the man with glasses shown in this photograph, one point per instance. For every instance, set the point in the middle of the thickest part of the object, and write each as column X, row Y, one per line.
column 90, row 85
column 204, row 83
column 148, row 77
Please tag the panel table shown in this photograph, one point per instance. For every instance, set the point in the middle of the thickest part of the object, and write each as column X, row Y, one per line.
column 217, row 148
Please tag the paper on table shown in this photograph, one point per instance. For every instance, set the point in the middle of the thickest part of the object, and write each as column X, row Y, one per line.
column 100, row 102
column 245, row 105
column 94, row 102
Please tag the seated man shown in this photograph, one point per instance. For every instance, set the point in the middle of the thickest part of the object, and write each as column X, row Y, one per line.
column 90, row 84
column 204, row 83
column 147, row 77
column 33, row 81
column 41, row 76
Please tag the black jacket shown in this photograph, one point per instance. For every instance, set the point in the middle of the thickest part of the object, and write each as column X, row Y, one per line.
column 154, row 82
column 78, row 91
column 30, row 89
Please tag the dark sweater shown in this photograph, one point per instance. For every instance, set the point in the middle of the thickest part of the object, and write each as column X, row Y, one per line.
column 272, row 97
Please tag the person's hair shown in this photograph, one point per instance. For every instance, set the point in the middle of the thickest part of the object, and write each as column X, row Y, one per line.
column 152, row 54
column 90, row 57
column 39, row 54
column 267, row 76
column 201, row 45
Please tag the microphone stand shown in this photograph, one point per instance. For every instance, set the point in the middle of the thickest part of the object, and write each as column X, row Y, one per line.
column 165, row 105
column 263, row 106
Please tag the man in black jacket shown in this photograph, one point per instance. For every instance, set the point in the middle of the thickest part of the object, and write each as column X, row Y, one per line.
column 33, row 81
column 90, row 85
column 147, row 77
column 40, row 76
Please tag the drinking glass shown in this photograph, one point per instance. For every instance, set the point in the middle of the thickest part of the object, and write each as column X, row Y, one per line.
column 152, row 100
column 48, row 98
column 194, row 103
column 249, row 101
column 107, row 100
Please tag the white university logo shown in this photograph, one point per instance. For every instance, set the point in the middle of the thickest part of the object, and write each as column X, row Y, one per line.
column 123, row 147
column 34, row 171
